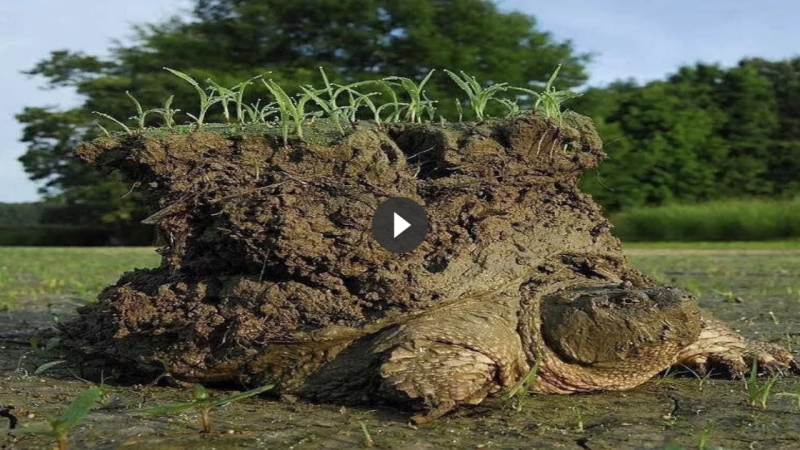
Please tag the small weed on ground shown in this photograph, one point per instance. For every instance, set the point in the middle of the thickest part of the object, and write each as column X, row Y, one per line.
column 60, row 426
column 757, row 391
column 516, row 395
column 368, row 442
column 203, row 403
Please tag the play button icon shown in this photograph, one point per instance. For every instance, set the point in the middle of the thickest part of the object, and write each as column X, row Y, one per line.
column 400, row 225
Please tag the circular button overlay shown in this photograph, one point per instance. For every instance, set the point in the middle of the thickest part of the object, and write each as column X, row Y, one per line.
column 400, row 225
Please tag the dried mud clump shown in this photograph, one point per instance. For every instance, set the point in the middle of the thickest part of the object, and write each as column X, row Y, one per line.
column 269, row 245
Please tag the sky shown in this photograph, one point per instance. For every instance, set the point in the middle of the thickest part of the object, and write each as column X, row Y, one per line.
column 640, row 39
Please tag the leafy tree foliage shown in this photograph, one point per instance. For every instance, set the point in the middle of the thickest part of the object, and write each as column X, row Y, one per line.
column 704, row 133
column 784, row 149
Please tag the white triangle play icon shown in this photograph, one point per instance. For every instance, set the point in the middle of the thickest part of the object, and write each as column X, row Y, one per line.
column 400, row 225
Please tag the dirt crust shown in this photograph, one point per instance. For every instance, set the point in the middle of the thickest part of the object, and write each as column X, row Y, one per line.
column 271, row 245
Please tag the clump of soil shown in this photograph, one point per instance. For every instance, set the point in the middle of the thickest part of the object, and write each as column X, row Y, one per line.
column 270, row 245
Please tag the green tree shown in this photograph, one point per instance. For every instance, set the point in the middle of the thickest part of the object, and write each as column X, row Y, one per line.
column 783, row 151
column 705, row 132
column 233, row 40
column 752, row 120
column 660, row 145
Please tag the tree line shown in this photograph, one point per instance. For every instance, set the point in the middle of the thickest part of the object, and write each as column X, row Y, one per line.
column 705, row 132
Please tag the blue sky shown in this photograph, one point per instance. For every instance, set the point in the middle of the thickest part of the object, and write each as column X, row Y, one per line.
column 643, row 39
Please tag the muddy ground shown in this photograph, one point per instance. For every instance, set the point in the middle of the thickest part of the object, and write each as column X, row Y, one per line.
column 757, row 291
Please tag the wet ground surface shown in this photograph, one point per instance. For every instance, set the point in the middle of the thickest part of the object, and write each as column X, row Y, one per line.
column 756, row 291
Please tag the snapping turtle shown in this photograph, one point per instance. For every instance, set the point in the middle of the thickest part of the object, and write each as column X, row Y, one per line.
column 270, row 273
column 584, row 338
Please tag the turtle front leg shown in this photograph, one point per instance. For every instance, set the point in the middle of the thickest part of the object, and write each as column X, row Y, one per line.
column 718, row 346
column 459, row 354
column 437, row 377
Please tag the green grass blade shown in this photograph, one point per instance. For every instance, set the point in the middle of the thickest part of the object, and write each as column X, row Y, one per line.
column 242, row 395
column 328, row 86
column 425, row 80
column 473, row 82
column 47, row 366
column 140, row 114
column 461, row 83
column 550, row 81
column 170, row 407
column 200, row 91
column 79, row 407
column 106, row 116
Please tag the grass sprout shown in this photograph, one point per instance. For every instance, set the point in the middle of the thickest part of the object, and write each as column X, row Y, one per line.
column 758, row 392
column 549, row 101
column 330, row 106
column 234, row 95
column 395, row 103
column 259, row 114
column 367, row 101
column 368, row 442
column 47, row 366
column 415, row 107
column 357, row 99
column 203, row 403
column 60, row 426
column 512, row 107
column 579, row 426
column 704, row 438
column 206, row 101
column 515, row 396
column 478, row 96
column 291, row 110
column 141, row 114
column 225, row 97
column 167, row 112
column 106, row 116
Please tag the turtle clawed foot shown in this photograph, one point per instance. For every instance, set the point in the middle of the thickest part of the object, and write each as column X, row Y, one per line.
column 771, row 359
column 730, row 363
column 736, row 361
column 719, row 347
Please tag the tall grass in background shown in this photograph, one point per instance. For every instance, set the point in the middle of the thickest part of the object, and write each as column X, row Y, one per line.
column 726, row 220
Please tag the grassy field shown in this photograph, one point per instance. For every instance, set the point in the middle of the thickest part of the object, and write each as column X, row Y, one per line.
column 729, row 220
column 753, row 287
column 700, row 246
column 36, row 275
